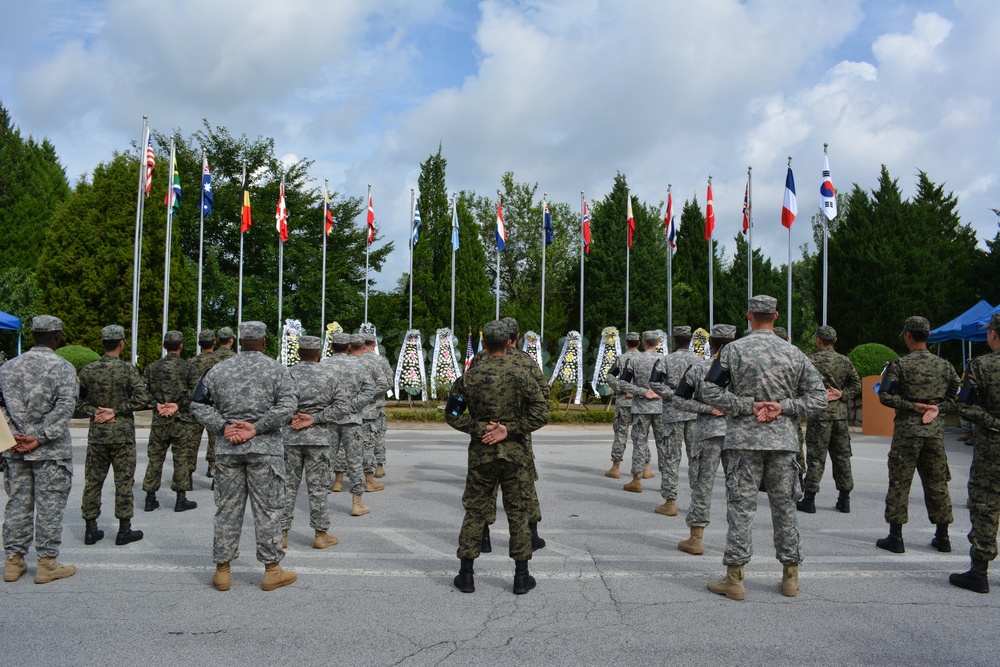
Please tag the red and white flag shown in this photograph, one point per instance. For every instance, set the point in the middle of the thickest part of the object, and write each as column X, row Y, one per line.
column 281, row 215
column 586, row 228
column 827, row 195
column 150, row 161
column 371, row 219
column 709, row 214
column 669, row 222
column 790, row 208
column 631, row 222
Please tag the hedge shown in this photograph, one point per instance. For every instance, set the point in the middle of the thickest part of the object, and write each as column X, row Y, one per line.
column 870, row 358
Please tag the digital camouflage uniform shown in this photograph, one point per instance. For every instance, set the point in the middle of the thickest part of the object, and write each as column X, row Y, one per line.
column 381, row 425
column 371, row 413
column 202, row 363
column 345, row 440
column 254, row 388
column 172, row 380
column 678, row 425
column 113, row 383
column 623, row 406
column 38, row 390
column 646, row 412
column 828, row 430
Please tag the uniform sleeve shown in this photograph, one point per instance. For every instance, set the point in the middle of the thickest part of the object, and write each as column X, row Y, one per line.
column 369, row 388
column 464, row 422
column 56, row 421
column 285, row 404
column 723, row 399
column 811, row 399
column 662, row 388
column 613, row 377
column 208, row 415
column 534, row 413
column 628, row 387
column 895, row 401
column 696, row 378
column 147, row 379
column 83, row 405
column 852, row 383
column 949, row 403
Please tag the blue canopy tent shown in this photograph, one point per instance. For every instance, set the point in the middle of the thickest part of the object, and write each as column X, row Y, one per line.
column 964, row 327
column 10, row 323
column 975, row 330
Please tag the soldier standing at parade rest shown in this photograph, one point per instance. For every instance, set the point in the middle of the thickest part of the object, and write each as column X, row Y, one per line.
column 647, row 408
column 706, row 443
column 828, row 431
column 204, row 361
column 225, row 350
column 623, row 405
column 918, row 386
column 346, row 444
column 170, row 382
column 38, row 393
column 763, row 385
column 678, row 425
column 382, row 425
column 247, row 400
column 110, row 391
column 504, row 405
column 370, row 414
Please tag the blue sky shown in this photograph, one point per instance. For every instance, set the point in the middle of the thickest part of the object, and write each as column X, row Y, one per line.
column 565, row 94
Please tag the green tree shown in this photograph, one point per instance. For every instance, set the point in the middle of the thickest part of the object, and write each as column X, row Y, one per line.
column 432, row 253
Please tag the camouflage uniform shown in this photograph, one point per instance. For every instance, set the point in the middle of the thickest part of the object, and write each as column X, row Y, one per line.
column 646, row 412
column 171, row 380
column 370, row 414
column 346, row 441
column 112, row 383
column 203, row 362
column 623, row 406
column 763, row 368
column 381, row 425
column 38, row 391
column 678, row 425
column 254, row 388
column 828, row 430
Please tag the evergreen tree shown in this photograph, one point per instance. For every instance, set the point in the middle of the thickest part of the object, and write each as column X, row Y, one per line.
column 432, row 253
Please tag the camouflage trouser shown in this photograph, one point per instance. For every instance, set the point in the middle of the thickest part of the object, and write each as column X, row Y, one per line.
column 183, row 438
column 927, row 457
column 369, row 432
column 121, row 457
column 210, row 451
column 382, row 426
column 984, row 498
column 479, row 501
column 315, row 463
column 38, row 488
column 668, row 455
column 622, row 423
column 345, row 450
column 534, row 508
column 702, row 466
column 744, row 471
column 640, row 438
column 261, row 477
column 800, row 458
column 824, row 435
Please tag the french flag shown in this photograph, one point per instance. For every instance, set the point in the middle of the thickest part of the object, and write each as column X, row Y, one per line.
column 790, row 208
column 501, row 231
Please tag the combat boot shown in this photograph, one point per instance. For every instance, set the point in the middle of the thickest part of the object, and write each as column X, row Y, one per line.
column 613, row 471
column 276, row 577
column 941, row 541
column 221, row 578
column 732, row 585
column 210, row 473
column 371, row 484
column 790, row 581
column 486, row 546
column 635, row 486
column 523, row 582
column 358, row 508
column 976, row 579
column 668, row 508
column 50, row 570
column 647, row 472
column 125, row 533
column 379, row 471
column 808, row 503
column 284, row 539
column 894, row 542
column 14, row 568
column 183, row 504
column 693, row 545
column 324, row 540
column 536, row 542
column 465, row 579
column 92, row 534
column 151, row 502
column 338, row 483
column 844, row 502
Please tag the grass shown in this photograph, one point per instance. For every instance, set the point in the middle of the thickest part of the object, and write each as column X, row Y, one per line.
column 434, row 414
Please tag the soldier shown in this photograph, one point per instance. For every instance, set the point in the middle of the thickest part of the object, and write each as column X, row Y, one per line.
column 225, row 349
column 110, row 391
column 170, row 382
column 504, row 405
column 647, row 408
column 381, row 425
column 706, row 443
column 623, row 405
column 914, row 384
column 370, row 415
column 828, row 431
column 247, row 400
column 678, row 425
column 800, row 458
column 204, row 361
column 38, row 392
column 346, row 444
column 770, row 385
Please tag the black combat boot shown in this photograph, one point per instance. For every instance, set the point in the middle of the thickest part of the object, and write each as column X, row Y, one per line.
column 151, row 502
column 92, row 534
column 844, row 502
column 465, row 580
column 808, row 503
column 486, row 546
column 183, row 504
column 941, row 541
column 125, row 533
column 523, row 582
column 894, row 542
column 976, row 579
column 536, row 542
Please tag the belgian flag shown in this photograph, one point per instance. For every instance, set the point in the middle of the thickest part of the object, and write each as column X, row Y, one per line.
column 246, row 220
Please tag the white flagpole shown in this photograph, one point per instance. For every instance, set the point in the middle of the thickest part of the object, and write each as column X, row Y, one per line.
column 137, row 247
column 169, row 237
column 670, row 273
column 498, row 262
column 281, row 265
column 711, row 281
column 201, row 236
column 826, row 256
column 789, row 314
column 541, row 334
column 454, row 216
column 239, row 296
column 413, row 199
column 367, row 250
column 322, row 306
column 628, row 260
column 582, row 200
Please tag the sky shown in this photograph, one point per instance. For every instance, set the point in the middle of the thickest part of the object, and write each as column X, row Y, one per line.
column 564, row 94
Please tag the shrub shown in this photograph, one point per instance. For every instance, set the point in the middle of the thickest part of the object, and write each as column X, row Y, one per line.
column 78, row 355
column 870, row 358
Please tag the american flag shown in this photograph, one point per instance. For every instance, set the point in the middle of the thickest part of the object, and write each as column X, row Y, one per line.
column 150, row 163
column 469, row 352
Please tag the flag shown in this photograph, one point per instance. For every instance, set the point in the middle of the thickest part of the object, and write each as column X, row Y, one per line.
column 150, row 164
column 469, row 354
column 547, row 222
column 371, row 219
column 281, row 215
column 329, row 211
column 670, row 222
column 454, row 230
column 206, row 189
column 790, row 208
column 586, row 228
column 245, row 218
column 416, row 224
column 500, row 232
column 631, row 222
column 746, row 209
column 480, row 341
column 173, row 198
column 827, row 195
column 709, row 215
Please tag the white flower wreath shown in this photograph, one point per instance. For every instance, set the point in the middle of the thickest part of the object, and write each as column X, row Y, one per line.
column 445, row 368
column 608, row 352
column 410, row 376
column 290, row 334
column 569, row 368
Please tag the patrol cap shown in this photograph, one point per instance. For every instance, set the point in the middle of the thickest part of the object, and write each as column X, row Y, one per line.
column 253, row 330
column 225, row 332
column 206, row 337
column 495, row 333
column 650, row 335
column 511, row 324
column 357, row 339
column 47, row 324
column 632, row 336
column 917, row 323
column 173, row 337
column 113, row 332
column 340, row 338
column 781, row 332
column 682, row 332
column 370, row 338
column 724, row 331
column 826, row 333
column 994, row 322
column 310, row 343
column 762, row 304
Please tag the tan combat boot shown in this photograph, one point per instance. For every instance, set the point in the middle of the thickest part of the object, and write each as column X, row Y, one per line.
column 668, row 508
column 284, row 539
column 50, row 570
column 647, row 472
column 613, row 471
column 692, row 545
column 221, row 578
column 790, row 581
column 732, row 585
column 371, row 484
column 359, row 508
column 338, row 483
column 276, row 577
column 379, row 471
column 635, row 486
column 324, row 540
column 14, row 568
